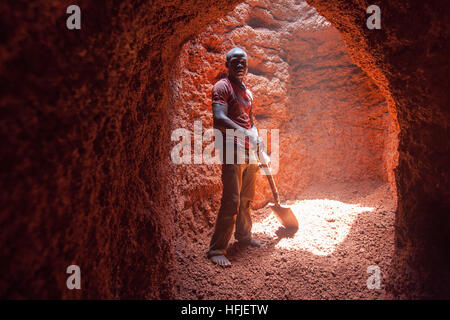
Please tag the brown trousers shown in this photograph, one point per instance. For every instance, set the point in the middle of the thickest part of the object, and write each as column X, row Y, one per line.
column 235, row 208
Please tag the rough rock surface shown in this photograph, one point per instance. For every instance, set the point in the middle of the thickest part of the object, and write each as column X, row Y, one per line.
column 85, row 145
column 332, row 120
column 408, row 60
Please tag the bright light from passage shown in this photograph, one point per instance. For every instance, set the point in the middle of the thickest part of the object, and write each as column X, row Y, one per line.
column 323, row 224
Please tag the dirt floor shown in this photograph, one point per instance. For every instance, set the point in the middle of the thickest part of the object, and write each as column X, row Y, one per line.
column 343, row 230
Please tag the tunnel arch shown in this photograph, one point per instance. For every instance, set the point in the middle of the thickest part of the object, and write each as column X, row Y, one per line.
column 106, row 198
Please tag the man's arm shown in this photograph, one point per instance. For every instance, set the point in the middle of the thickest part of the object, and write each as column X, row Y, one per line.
column 221, row 120
column 252, row 121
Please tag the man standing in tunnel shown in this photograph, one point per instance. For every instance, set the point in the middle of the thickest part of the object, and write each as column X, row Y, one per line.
column 232, row 109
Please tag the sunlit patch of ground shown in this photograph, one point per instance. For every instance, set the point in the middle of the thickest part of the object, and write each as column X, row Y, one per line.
column 323, row 225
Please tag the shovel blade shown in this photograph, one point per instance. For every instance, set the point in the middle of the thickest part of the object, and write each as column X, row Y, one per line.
column 285, row 216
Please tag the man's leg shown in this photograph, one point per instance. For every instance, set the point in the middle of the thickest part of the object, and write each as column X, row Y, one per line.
column 226, row 218
column 243, row 231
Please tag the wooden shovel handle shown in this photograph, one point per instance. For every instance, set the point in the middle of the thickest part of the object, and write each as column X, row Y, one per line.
column 272, row 184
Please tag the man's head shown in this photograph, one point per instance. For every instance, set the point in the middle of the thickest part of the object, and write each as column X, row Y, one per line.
column 237, row 63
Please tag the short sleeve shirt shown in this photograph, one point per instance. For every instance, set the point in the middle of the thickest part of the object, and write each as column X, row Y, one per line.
column 239, row 103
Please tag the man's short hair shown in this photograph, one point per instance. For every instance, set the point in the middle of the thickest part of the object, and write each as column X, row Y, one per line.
column 234, row 51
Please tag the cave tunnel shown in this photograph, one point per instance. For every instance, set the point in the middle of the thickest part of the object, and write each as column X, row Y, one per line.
column 335, row 137
column 86, row 137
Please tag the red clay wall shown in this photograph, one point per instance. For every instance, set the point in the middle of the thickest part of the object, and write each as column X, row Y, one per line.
column 84, row 135
column 408, row 60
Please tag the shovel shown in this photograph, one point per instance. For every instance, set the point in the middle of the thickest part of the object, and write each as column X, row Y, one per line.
column 284, row 214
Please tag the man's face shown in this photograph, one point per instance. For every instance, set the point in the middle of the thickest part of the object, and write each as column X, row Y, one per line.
column 237, row 66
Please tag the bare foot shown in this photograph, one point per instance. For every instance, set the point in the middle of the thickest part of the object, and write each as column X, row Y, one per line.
column 221, row 261
column 252, row 242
